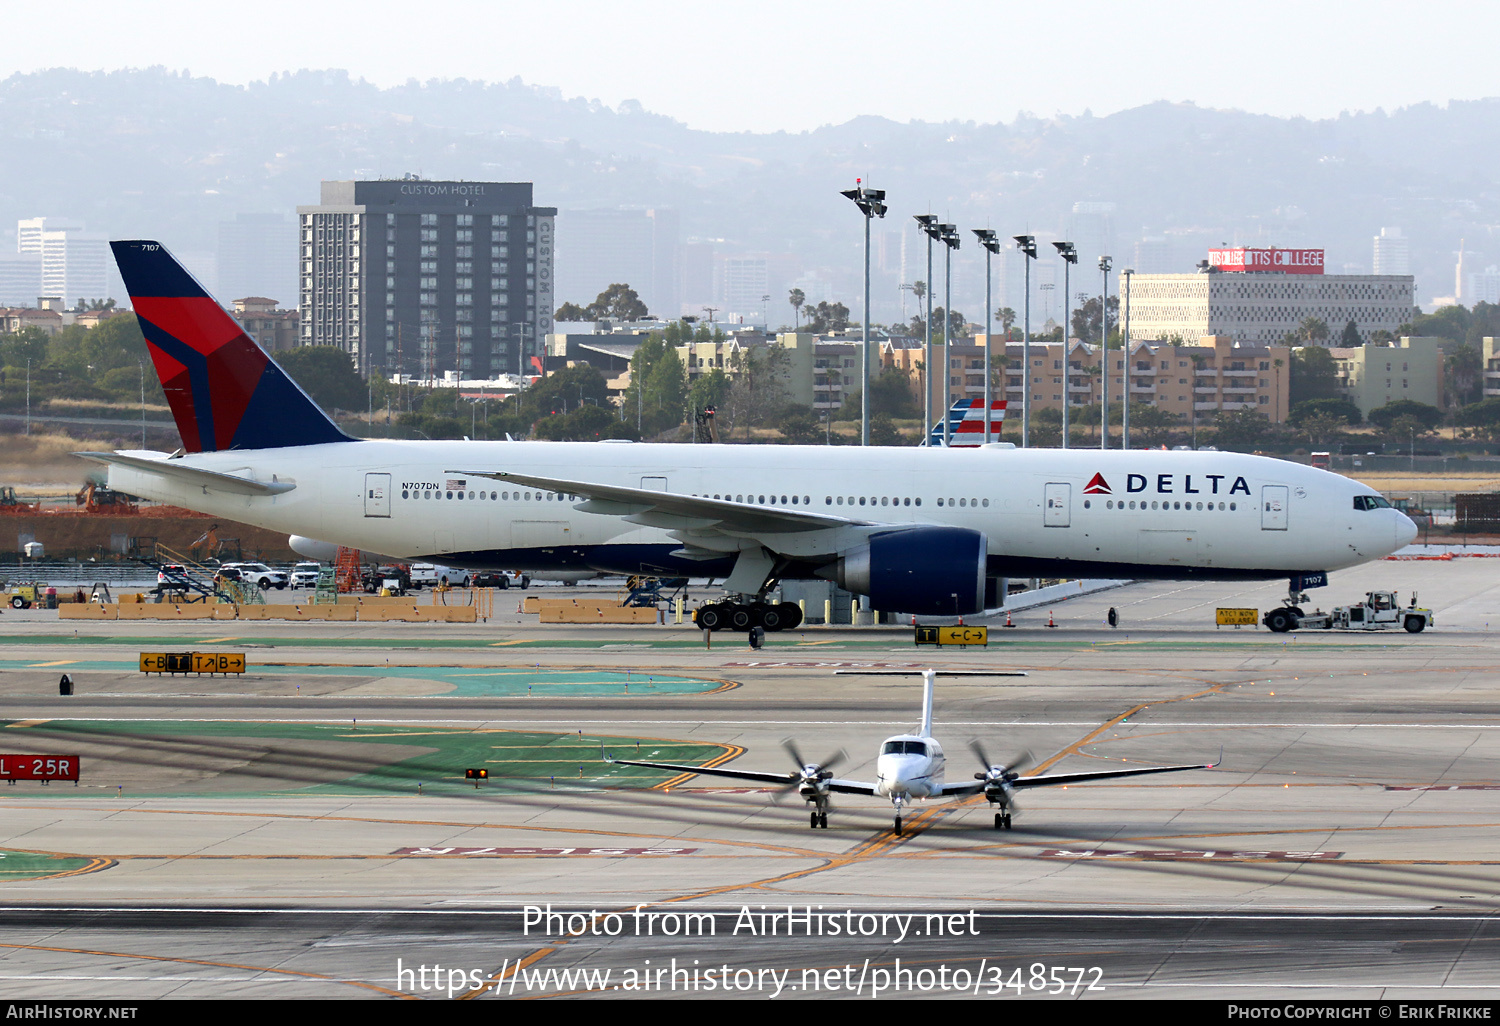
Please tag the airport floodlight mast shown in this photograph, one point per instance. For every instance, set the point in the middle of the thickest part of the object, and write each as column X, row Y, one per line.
column 991, row 243
column 1069, row 253
column 949, row 238
column 929, row 227
column 1027, row 245
column 1104, row 265
column 1125, row 349
column 871, row 203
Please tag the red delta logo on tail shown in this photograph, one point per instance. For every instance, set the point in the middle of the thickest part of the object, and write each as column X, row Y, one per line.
column 225, row 392
column 1097, row 486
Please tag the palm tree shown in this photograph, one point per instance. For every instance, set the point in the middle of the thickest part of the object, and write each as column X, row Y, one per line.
column 798, row 297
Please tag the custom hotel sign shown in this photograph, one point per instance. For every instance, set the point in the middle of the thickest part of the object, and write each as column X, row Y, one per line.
column 1284, row 261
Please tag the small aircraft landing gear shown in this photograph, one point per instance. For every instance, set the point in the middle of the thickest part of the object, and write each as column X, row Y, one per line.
column 1002, row 821
column 897, row 803
column 819, row 816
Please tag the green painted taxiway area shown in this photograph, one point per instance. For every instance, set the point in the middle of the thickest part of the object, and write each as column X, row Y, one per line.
column 475, row 681
column 192, row 758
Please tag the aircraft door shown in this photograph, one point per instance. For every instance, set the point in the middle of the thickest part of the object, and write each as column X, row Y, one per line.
column 377, row 495
column 654, row 484
column 1273, row 507
column 1058, row 504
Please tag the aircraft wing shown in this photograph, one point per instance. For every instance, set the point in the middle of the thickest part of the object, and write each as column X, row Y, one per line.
column 675, row 510
column 784, row 779
column 175, row 470
column 976, row 786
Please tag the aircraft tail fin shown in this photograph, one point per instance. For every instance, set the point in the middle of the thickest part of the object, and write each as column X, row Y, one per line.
column 929, row 678
column 966, row 424
column 225, row 392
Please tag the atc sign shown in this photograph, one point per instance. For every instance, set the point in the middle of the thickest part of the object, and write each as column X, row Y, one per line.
column 1285, row 261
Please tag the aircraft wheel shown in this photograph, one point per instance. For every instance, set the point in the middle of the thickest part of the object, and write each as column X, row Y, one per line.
column 823, row 820
column 813, row 822
column 999, row 821
column 1414, row 624
column 770, row 618
column 740, row 618
column 1279, row 620
column 898, row 826
column 791, row 615
column 1007, row 821
column 710, row 618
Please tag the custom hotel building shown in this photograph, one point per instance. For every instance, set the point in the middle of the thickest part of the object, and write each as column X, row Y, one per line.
column 421, row 278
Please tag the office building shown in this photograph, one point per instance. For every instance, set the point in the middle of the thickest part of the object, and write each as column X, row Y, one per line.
column 1197, row 379
column 75, row 264
column 257, row 256
column 1259, row 296
column 1372, row 376
column 1392, row 252
column 639, row 248
column 422, row 278
column 20, row 278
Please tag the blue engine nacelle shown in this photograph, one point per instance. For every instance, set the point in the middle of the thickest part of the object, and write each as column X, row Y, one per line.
column 933, row 571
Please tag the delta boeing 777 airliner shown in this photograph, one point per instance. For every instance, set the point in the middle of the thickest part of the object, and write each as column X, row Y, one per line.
column 918, row 530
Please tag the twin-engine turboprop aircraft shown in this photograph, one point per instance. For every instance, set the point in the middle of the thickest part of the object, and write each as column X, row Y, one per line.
column 910, row 768
column 917, row 530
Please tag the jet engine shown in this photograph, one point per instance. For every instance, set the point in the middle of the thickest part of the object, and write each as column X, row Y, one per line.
column 933, row 571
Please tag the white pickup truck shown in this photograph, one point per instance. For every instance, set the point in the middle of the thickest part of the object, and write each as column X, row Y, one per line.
column 430, row 575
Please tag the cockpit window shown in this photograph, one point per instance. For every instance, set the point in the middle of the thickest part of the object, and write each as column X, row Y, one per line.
column 904, row 748
column 1371, row 502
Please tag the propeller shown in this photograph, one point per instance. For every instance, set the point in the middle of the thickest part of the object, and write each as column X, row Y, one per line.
column 999, row 774
column 809, row 774
column 814, row 770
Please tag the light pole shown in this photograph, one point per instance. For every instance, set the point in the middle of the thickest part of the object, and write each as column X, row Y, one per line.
column 991, row 243
column 1027, row 245
column 871, row 203
column 1069, row 253
column 949, row 238
column 929, row 227
column 1125, row 349
column 1104, row 265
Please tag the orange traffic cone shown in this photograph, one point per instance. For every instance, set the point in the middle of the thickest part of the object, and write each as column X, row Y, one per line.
column 1050, row 622
column 1007, row 619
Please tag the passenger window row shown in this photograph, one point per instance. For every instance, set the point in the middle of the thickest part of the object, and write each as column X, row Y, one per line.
column 492, row 496
column 1163, row 504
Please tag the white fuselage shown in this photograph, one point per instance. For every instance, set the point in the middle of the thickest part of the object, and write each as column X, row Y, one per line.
column 909, row 767
column 1210, row 514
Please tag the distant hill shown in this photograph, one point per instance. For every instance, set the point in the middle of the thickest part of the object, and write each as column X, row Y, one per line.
column 154, row 153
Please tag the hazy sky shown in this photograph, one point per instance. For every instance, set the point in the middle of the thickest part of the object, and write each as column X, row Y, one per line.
column 732, row 65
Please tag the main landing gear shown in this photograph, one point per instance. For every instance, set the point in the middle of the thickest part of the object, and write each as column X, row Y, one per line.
column 741, row 616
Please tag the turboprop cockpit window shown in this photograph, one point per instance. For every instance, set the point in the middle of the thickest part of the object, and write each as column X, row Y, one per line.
column 904, row 748
column 1371, row 502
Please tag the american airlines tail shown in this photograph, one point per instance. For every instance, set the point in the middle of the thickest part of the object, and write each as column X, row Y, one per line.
column 225, row 392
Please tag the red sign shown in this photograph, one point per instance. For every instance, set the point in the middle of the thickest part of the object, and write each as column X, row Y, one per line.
column 1286, row 261
column 38, row 767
